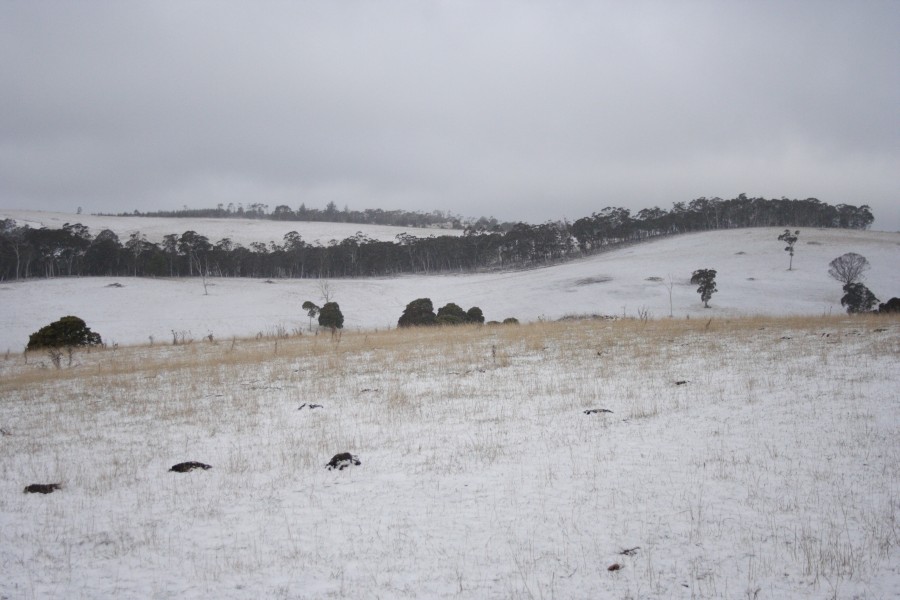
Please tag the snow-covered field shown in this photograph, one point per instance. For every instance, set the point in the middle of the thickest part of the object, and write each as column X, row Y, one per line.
column 752, row 279
column 743, row 457
column 740, row 459
column 239, row 231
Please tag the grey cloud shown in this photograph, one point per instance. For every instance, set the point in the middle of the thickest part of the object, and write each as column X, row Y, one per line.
column 522, row 110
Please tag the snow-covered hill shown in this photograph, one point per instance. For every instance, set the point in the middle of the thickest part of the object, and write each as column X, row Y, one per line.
column 751, row 264
column 677, row 458
column 239, row 231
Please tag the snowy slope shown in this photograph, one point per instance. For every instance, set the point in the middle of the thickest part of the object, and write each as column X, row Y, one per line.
column 751, row 264
column 739, row 460
column 239, row 231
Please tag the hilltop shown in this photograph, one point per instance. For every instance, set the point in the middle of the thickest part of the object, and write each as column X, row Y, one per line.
column 239, row 231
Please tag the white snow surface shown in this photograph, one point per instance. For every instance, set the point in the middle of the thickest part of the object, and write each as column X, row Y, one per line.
column 760, row 463
column 239, row 231
column 753, row 278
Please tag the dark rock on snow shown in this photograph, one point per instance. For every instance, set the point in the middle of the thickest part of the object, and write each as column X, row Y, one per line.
column 189, row 466
column 42, row 488
column 342, row 461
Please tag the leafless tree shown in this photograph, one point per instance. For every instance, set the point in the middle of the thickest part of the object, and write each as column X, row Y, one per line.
column 325, row 290
column 848, row 268
column 193, row 258
column 670, row 284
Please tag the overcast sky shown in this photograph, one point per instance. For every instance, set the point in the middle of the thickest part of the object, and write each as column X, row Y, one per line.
column 523, row 110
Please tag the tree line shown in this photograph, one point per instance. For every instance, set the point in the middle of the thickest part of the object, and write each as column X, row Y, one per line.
column 27, row 252
column 330, row 214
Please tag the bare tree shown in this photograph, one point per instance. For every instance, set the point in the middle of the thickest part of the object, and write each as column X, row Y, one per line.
column 193, row 258
column 670, row 284
column 848, row 268
column 325, row 290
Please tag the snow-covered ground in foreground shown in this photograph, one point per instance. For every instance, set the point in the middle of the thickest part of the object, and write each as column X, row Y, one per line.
column 739, row 460
column 239, row 231
column 751, row 264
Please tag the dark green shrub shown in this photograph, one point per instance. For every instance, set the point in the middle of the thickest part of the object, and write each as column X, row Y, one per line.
column 449, row 320
column 330, row 316
column 474, row 315
column 891, row 306
column 510, row 321
column 858, row 298
column 67, row 332
column 453, row 311
column 418, row 312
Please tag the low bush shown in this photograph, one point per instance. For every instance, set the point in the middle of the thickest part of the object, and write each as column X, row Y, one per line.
column 67, row 332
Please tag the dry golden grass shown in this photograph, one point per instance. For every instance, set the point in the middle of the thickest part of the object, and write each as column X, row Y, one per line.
column 447, row 348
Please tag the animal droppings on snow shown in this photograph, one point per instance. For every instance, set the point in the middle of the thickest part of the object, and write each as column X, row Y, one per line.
column 341, row 461
column 614, row 567
column 42, row 488
column 186, row 467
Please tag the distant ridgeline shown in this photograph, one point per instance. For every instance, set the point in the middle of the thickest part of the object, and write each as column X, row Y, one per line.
column 331, row 214
column 73, row 251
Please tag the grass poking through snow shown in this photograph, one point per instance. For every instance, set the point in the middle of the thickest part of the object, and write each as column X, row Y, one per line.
column 747, row 458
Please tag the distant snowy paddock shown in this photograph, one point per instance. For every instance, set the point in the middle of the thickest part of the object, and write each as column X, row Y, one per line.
column 239, row 231
column 651, row 278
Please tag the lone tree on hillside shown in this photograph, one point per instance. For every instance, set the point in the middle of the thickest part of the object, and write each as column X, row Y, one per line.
column 311, row 310
column 790, row 239
column 848, row 268
column 706, row 279
column 418, row 312
column 858, row 299
column 330, row 316
column 68, row 332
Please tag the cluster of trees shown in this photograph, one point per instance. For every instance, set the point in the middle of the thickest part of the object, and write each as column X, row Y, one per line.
column 849, row 269
column 72, row 251
column 329, row 314
column 421, row 312
column 330, row 214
